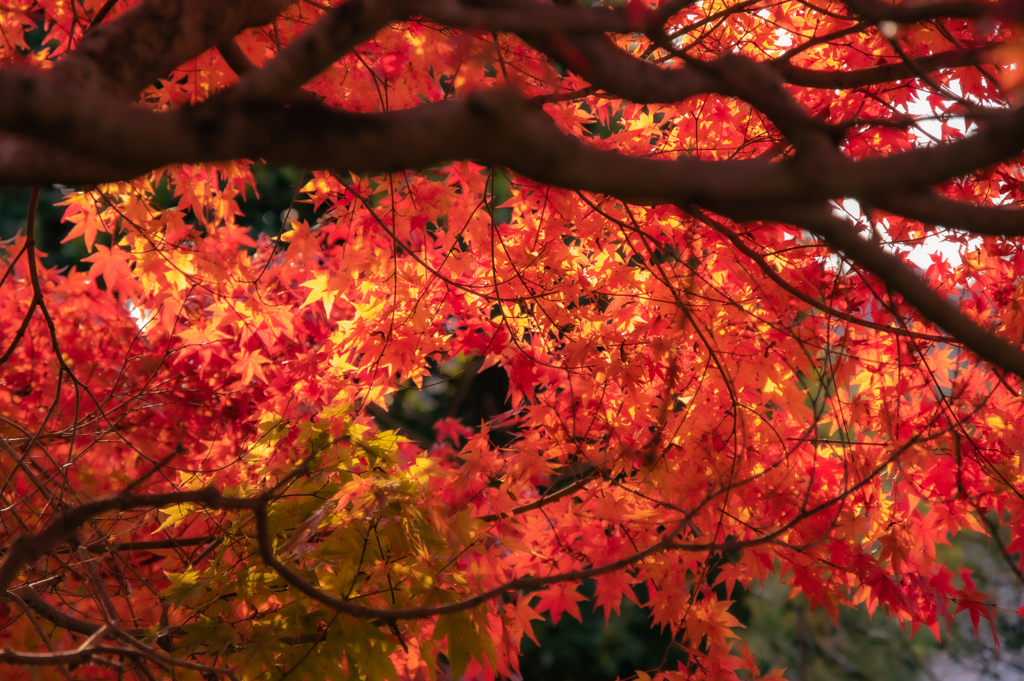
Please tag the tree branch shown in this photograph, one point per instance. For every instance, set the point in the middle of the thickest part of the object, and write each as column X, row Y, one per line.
column 340, row 31
column 65, row 523
column 127, row 54
column 56, row 616
column 884, row 73
column 391, row 615
column 935, row 209
column 495, row 127
column 895, row 274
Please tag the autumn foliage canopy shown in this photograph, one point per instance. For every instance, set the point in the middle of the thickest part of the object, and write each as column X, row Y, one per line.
column 753, row 270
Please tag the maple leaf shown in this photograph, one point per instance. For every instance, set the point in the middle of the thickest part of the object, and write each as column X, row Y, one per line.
column 321, row 288
column 558, row 599
column 975, row 603
column 82, row 213
column 521, row 615
column 452, row 429
column 115, row 266
column 610, row 589
column 250, row 365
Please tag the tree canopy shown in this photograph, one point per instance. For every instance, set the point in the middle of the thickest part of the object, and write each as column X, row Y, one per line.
column 752, row 271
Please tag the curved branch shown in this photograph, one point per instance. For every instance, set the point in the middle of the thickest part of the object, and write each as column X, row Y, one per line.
column 530, row 16
column 94, row 653
column 884, row 73
column 391, row 615
column 58, row 617
column 596, row 59
column 495, row 127
column 127, row 54
column 844, row 238
column 759, row 260
column 912, row 12
column 65, row 523
column 337, row 33
column 543, row 501
column 935, row 209
column 235, row 57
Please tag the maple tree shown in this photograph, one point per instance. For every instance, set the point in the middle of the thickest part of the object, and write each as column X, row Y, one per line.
column 683, row 230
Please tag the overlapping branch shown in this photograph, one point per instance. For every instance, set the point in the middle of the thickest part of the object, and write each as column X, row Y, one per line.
column 83, row 128
column 494, row 127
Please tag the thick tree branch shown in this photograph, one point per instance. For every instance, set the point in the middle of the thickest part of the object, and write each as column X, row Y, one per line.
column 495, row 127
column 934, row 209
column 884, row 73
column 528, row 16
column 123, row 57
column 337, row 33
column 56, row 616
column 913, row 12
column 758, row 259
column 900, row 278
column 127, row 54
column 64, row 524
column 599, row 61
column 235, row 57
column 96, row 653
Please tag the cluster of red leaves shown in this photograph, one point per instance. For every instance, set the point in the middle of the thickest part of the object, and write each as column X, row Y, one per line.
column 683, row 388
